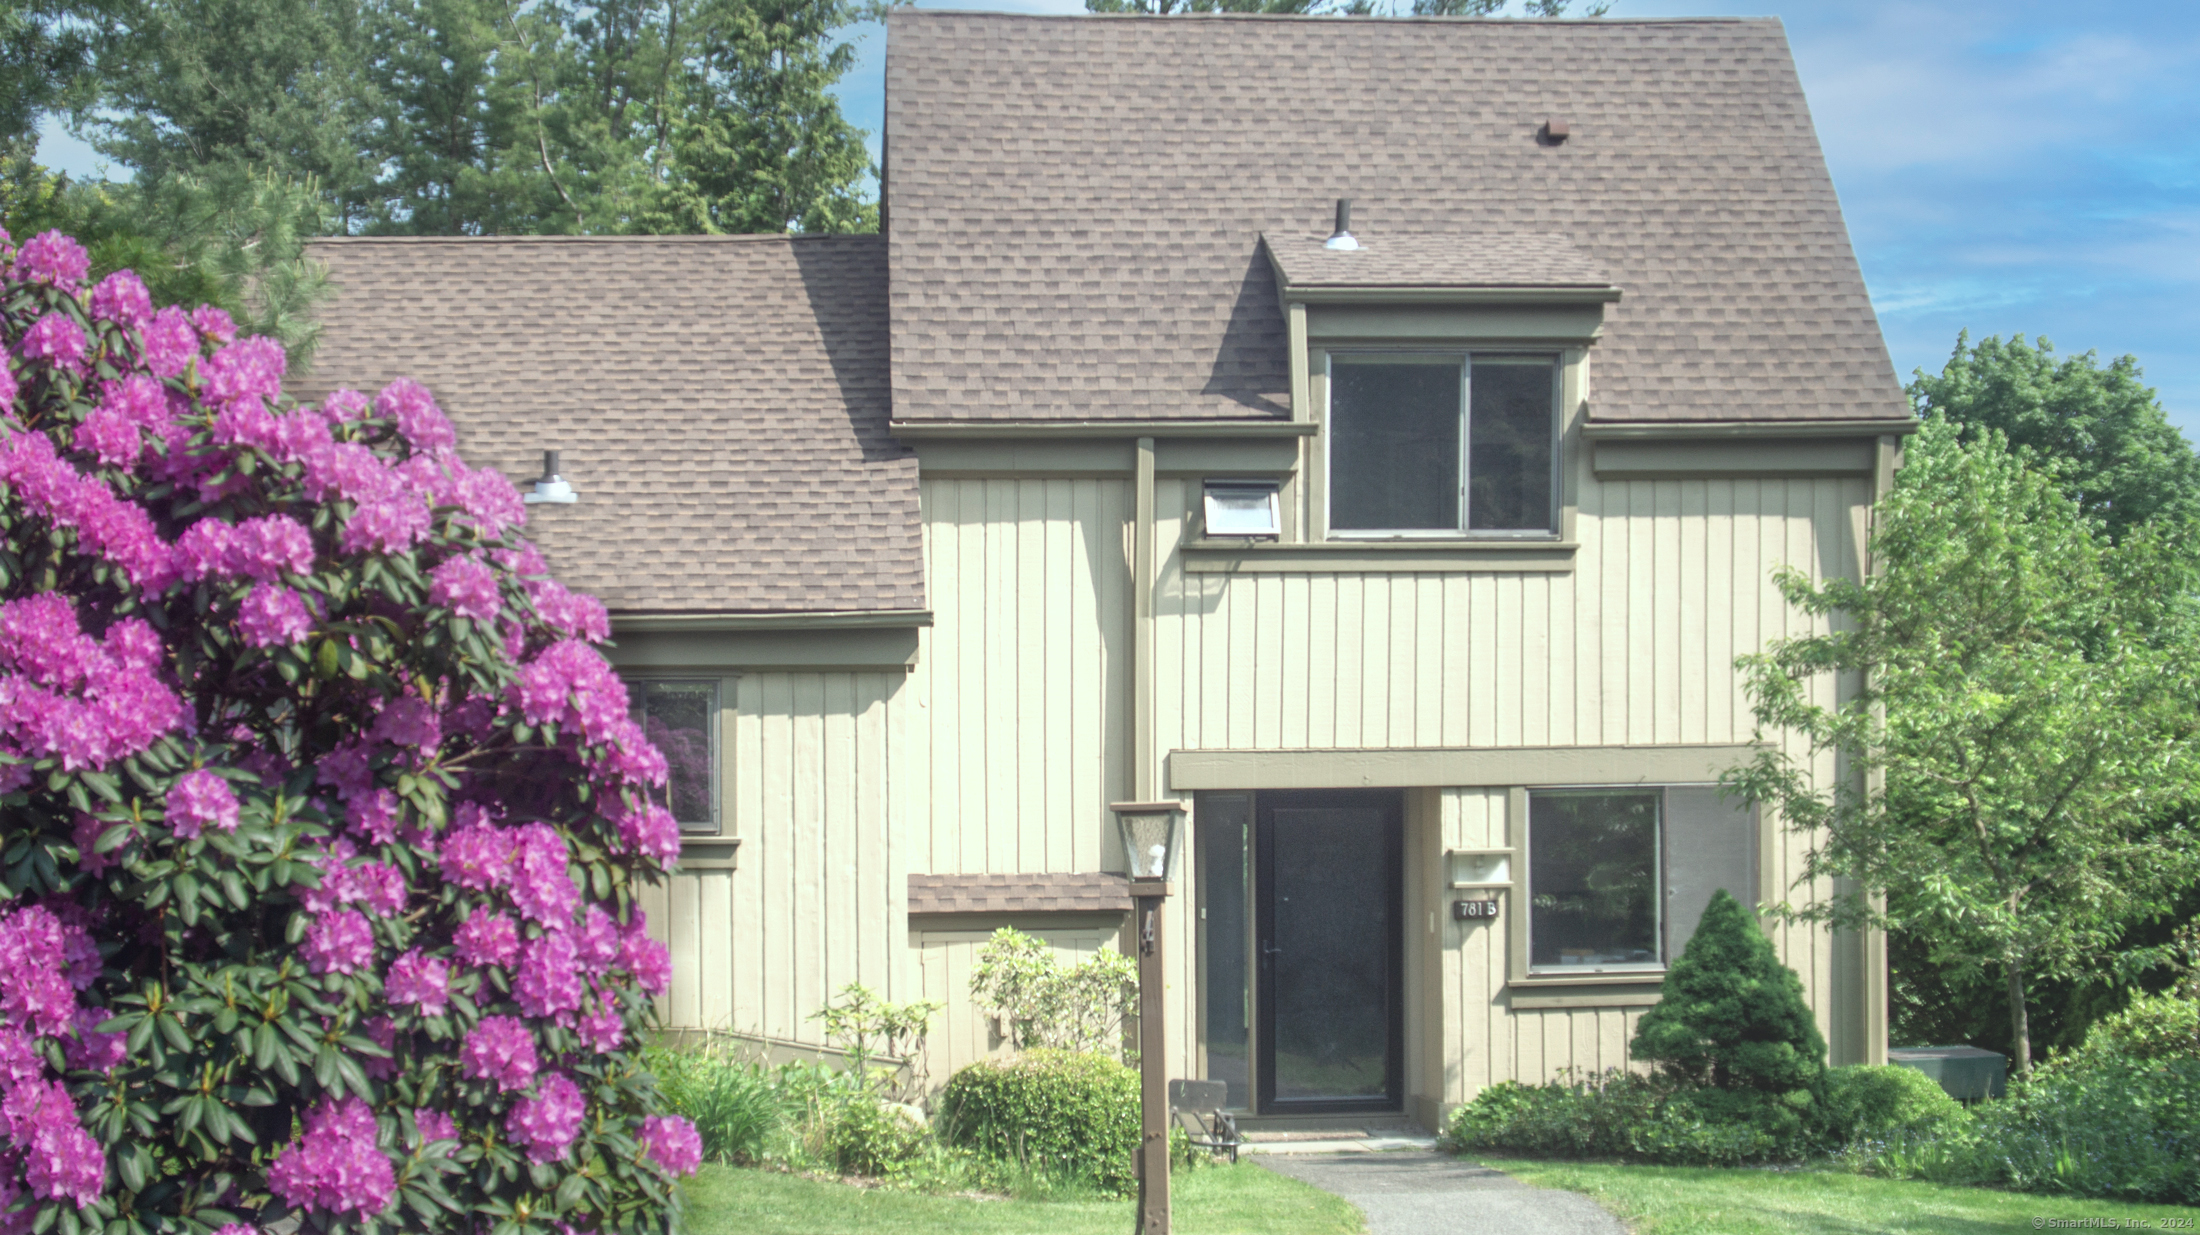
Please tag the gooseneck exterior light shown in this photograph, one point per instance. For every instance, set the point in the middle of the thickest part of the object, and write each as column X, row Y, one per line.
column 1150, row 831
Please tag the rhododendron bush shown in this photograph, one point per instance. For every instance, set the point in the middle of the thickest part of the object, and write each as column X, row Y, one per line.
column 321, row 817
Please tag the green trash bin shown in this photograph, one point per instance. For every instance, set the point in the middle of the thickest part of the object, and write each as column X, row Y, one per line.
column 1966, row 1072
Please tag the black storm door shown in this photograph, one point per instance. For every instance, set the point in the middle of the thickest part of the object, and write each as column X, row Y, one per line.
column 1330, row 949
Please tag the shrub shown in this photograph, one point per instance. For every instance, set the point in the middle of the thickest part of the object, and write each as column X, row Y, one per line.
column 1062, row 1114
column 2117, row 1127
column 2153, row 1028
column 1732, row 1018
column 325, row 818
column 1876, row 1103
column 1047, row 1004
column 866, row 1027
column 735, row 1105
column 1594, row 1117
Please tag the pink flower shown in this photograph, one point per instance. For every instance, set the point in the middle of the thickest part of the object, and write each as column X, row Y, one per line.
column 487, row 938
column 408, row 721
column 386, row 525
column 596, row 943
column 649, row 830
column 266, row 547
column 273, row 616
column 374, row 816
column 121, row 298
column 336, row 1166
column 8, row 387
column 382, row 887
column 571, row 684
column 547, row 1122
column 55, row 339
column 61, row 1160
column 570, row 613
column 51, row 257
column 467, row 587
column 249, row 369
column 339, row 943
column 672, row 1143
column 344, row 405
column 601, row 1026
column 433, row 1125
column 418, row 418
column 501, row 1050
column 419, row 980
column 549, row 981
column 110, row 438
column 648, row 960
column 170, row 345
column 542, row 887
column 214, row 323
column 489, row 499
column 92, row 1050
column 478, row 856
column 199, row 799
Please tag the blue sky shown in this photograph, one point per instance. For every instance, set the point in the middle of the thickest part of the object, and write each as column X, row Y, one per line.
column 2004, row 165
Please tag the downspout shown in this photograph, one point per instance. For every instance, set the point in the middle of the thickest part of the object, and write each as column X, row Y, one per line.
column 1885, row 459
column 1145, row 784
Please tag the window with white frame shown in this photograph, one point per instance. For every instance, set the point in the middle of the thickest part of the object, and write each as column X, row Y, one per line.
column 1617, row 878
column 1442, row 443
column 680, row 717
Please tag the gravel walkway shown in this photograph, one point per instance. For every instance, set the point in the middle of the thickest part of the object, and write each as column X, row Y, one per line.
column 1437, row 1194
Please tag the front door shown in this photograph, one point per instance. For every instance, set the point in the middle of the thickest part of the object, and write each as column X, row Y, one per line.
column 1329, row 943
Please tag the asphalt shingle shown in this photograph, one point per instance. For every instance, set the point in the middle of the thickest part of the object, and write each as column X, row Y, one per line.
column 720, row 402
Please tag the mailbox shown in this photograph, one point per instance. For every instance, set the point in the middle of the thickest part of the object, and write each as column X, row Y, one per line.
column 1468, row 911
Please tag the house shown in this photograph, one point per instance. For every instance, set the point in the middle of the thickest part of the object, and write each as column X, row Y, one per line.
column 1416, row 570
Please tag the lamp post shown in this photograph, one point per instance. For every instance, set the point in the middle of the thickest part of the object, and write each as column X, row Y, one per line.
column 1149, row 852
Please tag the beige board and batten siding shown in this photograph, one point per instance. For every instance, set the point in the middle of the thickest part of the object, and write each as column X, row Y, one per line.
column 1634, row 646
column 812, row 898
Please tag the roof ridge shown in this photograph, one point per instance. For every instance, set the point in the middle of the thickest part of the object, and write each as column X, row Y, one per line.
column 901, row 13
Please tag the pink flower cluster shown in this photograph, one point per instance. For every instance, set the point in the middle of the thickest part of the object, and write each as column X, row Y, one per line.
column 336, row 1165
column 499, row 1049
column 63, row 694
column 672, row 1143
column 60, row 1159
column 200, row 799
column 487, row 938
column 51, row 257
column 467, row 587
column 44, row 961
column 547, row 1122
column 419, row 981
column 338, row 943
column 105, row 525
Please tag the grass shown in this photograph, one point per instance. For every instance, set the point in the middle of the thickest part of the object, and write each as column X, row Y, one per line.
column 1678, row 1200
column 1222, row 1200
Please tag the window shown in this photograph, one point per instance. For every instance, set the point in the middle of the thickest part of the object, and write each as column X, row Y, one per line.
column 1442, row 443
column 681, row 719
column 1618, row 878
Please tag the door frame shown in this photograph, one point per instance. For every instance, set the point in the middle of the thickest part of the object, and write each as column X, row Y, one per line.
column 1391, row 802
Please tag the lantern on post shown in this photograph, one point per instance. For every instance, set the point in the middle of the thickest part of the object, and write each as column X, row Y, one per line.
column 1150, row 831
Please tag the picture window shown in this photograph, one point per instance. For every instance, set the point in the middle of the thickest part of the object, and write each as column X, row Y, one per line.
column 680, row 717
column 1442, row 444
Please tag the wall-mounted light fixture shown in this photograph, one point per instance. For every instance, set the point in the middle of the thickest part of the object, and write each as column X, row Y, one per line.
column 551, row 487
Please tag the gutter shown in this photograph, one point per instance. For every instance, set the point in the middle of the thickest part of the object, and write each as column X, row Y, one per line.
column 711, row 623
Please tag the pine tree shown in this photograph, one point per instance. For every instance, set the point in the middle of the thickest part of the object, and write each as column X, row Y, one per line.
column 1732, row 1016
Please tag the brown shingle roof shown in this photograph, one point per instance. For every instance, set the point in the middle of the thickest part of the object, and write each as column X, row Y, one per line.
column 1075, row 204
column 1518, row 259
column 1032, row 893
column 721, row 403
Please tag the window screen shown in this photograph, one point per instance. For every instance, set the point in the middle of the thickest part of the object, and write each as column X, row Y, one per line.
column 1394, row 443
column 1710, row 843
column 1510, row 427
column 680, row 718
column 1593, row 880
column 1430, row 444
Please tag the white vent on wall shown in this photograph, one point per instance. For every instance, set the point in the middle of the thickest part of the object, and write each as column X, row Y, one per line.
column 1244, row 508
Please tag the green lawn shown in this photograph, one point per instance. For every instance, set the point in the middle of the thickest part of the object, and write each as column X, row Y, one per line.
column 1664, row 1200
column 1220, row 1200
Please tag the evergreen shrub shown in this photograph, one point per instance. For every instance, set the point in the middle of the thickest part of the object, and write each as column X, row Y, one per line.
column 1875, row 1103
column 322, row 818
column 1732, row 1032
column 1067, row 1115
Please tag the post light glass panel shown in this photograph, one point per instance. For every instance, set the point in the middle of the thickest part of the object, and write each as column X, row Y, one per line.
column 1149, row 841
column 1244, row 508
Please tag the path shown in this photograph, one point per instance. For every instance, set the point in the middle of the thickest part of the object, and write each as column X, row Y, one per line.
column 1437, row 1194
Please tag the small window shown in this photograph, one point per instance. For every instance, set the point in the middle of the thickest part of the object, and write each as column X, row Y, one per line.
column 1244, row 508
column 1593, row 878
column 1442, row 444
column 681, row 719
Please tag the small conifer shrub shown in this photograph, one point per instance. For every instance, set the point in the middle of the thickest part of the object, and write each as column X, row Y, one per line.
column 1733, row 1033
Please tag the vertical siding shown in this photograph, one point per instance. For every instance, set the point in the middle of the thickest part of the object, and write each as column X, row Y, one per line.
column 1022, row 682
column 818, row 896
column 961, row 1035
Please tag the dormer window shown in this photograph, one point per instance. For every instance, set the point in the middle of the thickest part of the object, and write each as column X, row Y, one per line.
column 1442, row 443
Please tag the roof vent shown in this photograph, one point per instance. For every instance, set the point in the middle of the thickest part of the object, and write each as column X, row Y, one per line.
column 552, row 487
column 1554, row 132
column 1342, row 238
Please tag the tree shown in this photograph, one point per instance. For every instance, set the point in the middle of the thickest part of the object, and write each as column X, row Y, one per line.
column 41, row 57
column 2102, row 432
column 187, row 86
column 1350, row 8
column 323, row 816
column 233, row 238
column 2028, row 693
